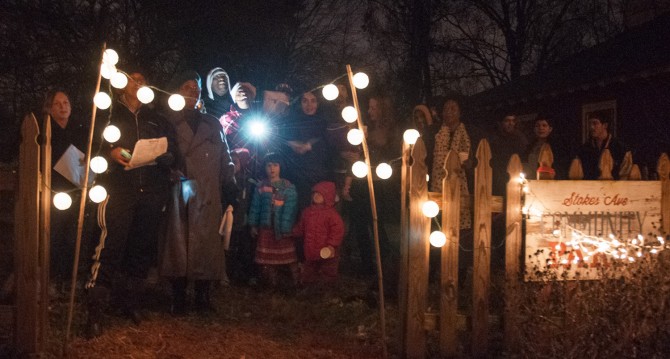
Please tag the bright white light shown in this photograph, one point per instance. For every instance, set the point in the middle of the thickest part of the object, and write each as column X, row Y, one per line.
column 430, row 209
column 361, row 80
column 119, row 80
column 349, row 114
column 98, row 164
column 110, row 57
column 107, row 70
column 176, row 102
column 355, row 136
column 330, row 92
column 410, row 136
column 257, row 128
column 102, row 100
column 384, row 170
column 111, row 134
column 360, row 169
column 437, row 239
column 145, row 94
column 97, row 194
column 62, row 201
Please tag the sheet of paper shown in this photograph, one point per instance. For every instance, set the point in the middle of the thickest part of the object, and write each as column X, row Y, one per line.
column 146, row 151
column 71, row 166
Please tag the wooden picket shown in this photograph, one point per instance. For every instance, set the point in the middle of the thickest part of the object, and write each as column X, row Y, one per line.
column 30, row 323
column 513, row 250
column 481, row 226
column 419, row 226
column 451, row 206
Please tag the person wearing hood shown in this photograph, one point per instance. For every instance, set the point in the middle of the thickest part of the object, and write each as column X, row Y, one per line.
column 217, row 103
column 423, row 121
column 193, row 249
column 322, row 230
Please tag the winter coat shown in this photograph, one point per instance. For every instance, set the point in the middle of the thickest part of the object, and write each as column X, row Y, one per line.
column 274, row 205
column 193, row 246
column 320, row 224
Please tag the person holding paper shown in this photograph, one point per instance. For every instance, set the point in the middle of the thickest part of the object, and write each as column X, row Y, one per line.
column 129, row 218
column 65, row 133
column 193, row 249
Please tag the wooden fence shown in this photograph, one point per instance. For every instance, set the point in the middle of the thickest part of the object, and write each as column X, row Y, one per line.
column 415, row 229
column 31, row 242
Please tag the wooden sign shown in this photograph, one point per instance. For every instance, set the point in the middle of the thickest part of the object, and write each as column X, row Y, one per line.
column 580, row 227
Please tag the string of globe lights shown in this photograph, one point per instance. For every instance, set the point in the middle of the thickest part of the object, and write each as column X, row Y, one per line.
column 587, row 247
column 102, row 100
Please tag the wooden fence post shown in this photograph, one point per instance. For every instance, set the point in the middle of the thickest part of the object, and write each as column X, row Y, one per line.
column 404, row 245
column 419, row 226
column 29, row 325
column 513, row 252
column 45, row 226
column 663, row 169
column 576, row 172
column 482, row 251
column 451, row 214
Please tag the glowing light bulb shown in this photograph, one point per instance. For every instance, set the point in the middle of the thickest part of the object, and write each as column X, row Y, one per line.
column 119, row 80
column 107, row 70
column 62, row 201
column 360, row 169
column 437, row 239
column 97, row 193
column 349, row 114
column 110, row 57
column 102, row 100
column 98, row 164
column 111, row 134
column 355, row 136
column 384, row 170
column 430, row 209
column 145, row 94
column 410, row 136
column 330, row 92
column 361, row 80
column 176, row 102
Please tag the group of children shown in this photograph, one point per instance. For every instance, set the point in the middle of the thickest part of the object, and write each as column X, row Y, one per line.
column 275, row 226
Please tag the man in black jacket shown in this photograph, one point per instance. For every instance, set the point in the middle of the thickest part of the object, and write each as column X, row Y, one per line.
column 130, row 215
column 600, row 138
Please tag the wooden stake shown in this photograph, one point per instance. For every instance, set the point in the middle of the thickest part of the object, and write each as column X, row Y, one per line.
column 373, row 204
column 82, row 206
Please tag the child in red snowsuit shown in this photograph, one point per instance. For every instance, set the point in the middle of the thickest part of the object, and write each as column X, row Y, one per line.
column 323, row 231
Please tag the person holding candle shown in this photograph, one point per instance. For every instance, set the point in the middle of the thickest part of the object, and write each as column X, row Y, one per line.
column 323, row 231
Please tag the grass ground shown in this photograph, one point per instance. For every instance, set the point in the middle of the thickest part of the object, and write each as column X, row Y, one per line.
column 249, row 323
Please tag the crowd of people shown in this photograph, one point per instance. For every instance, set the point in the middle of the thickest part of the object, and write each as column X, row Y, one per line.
column 290, row 193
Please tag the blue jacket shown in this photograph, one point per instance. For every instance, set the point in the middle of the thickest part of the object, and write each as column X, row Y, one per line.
column 279, row 197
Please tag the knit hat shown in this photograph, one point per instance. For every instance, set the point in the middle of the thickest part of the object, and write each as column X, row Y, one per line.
column 213, row 73
column 181, row 77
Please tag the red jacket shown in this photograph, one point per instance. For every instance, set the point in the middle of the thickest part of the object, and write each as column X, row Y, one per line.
column 320, row 224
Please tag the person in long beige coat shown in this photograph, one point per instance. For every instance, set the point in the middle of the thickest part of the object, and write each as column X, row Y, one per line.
column 193, row 249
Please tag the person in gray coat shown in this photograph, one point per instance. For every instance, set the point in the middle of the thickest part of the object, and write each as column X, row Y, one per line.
column 193, row 249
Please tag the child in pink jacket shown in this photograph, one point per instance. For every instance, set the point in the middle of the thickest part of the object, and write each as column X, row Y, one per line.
column 323, row 230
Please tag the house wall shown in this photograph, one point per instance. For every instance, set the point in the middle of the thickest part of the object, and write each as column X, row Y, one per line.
column 642, row 113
